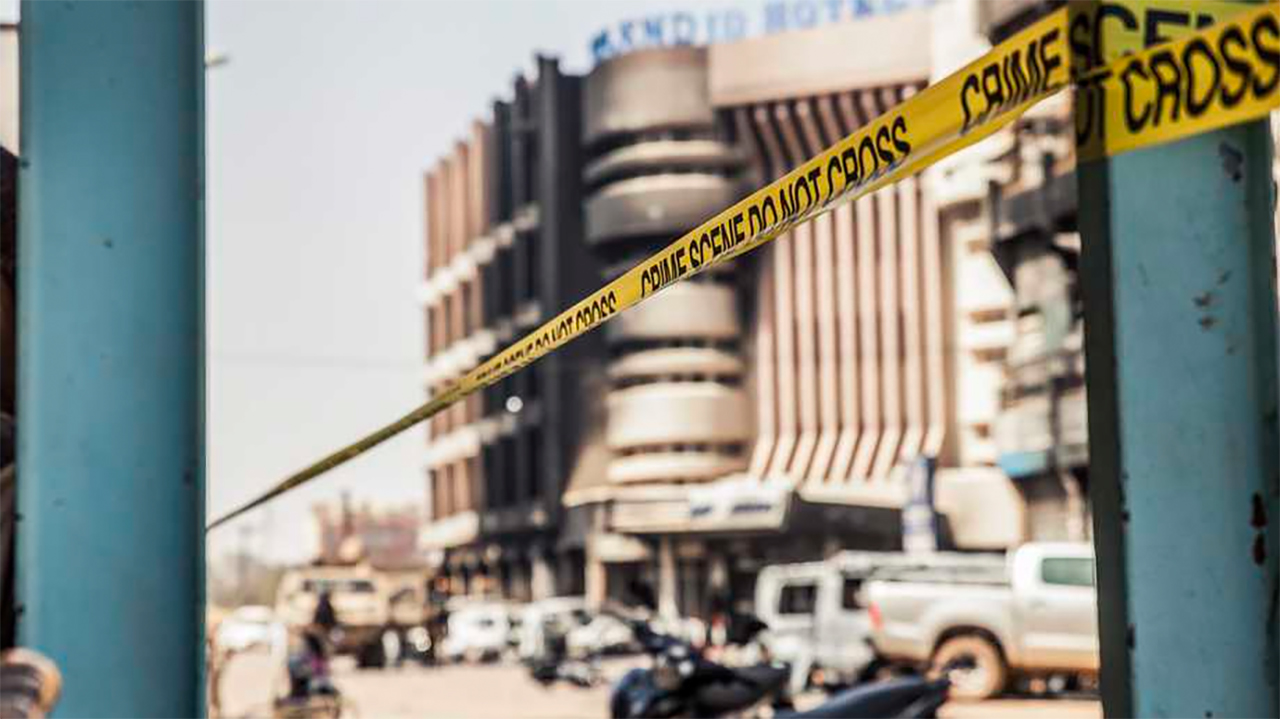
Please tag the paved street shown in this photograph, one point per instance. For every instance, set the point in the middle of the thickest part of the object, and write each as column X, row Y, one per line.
column 492, row 691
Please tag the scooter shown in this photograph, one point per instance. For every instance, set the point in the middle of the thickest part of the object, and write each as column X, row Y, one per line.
column 312, row 692
column 683, row 683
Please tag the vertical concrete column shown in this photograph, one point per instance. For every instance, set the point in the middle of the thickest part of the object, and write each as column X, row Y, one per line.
column 596, row 580
column 1180, row 322
column 543, row 583
column 518, row 579
column 667, row 606
column 1077, row 514
column 111, row 369
column 717, row 572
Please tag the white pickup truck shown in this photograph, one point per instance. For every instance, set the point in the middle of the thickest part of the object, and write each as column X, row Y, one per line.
column 1038, row 617
column 817, row 612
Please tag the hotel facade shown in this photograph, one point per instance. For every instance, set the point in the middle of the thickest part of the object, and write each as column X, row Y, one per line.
column 768, row 411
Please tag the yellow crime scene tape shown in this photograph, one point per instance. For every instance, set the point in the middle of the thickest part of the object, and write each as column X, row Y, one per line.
column 1219, row 76
column 1135, row 100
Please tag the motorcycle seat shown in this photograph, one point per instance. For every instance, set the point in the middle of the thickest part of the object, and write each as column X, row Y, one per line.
column 765, row 676
column 903, row 697
column 749, row 686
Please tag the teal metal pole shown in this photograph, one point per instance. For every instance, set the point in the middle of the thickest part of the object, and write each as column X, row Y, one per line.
column 1180, row 318
column 111, row 347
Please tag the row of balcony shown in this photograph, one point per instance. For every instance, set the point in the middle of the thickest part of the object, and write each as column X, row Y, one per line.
column 657, row 168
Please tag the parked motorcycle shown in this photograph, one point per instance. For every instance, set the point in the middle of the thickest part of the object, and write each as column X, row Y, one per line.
column 554, row 663
column 583, row 673
column 904, row 698
column 909, row 697
column 312, row 692
column 683, row 683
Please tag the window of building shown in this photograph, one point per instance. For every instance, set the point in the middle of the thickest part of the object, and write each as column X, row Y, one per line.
column 535, row 464
column 1067, row 571
column 338, row 586
column 798, row 598
column 468, row 289
column 531, row 150
column 509, row 467
column 532, row 264
column 851, row 594
column 429, row 321
column 447, row 505
column 490, row 470
column 489, row 292
column 690, row 590
column 506, row 262
column 533, row 385
column 475, row 481
column 446, row 320
column 489, row 394
column 433, row 486
column 520, row 269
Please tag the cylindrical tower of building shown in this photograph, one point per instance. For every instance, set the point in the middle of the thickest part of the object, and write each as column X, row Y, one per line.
column 656, row 167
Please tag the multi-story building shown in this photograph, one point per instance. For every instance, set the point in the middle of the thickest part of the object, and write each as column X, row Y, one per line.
column 770, row 410
column 504, row 235
column 873, row 335
column 1030, row 213
column 1041, row 430
column 869, row 338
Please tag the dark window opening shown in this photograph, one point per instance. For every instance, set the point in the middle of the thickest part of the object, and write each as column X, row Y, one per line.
column 851, row 594
column 798, row 599
column 1067, row 571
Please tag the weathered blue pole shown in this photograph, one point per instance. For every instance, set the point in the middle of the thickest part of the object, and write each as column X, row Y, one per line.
column 1180, row 318
column 111, row 370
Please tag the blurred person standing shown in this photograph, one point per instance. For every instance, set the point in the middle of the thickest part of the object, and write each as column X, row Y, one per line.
column 326, row 617
column 437, row 615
